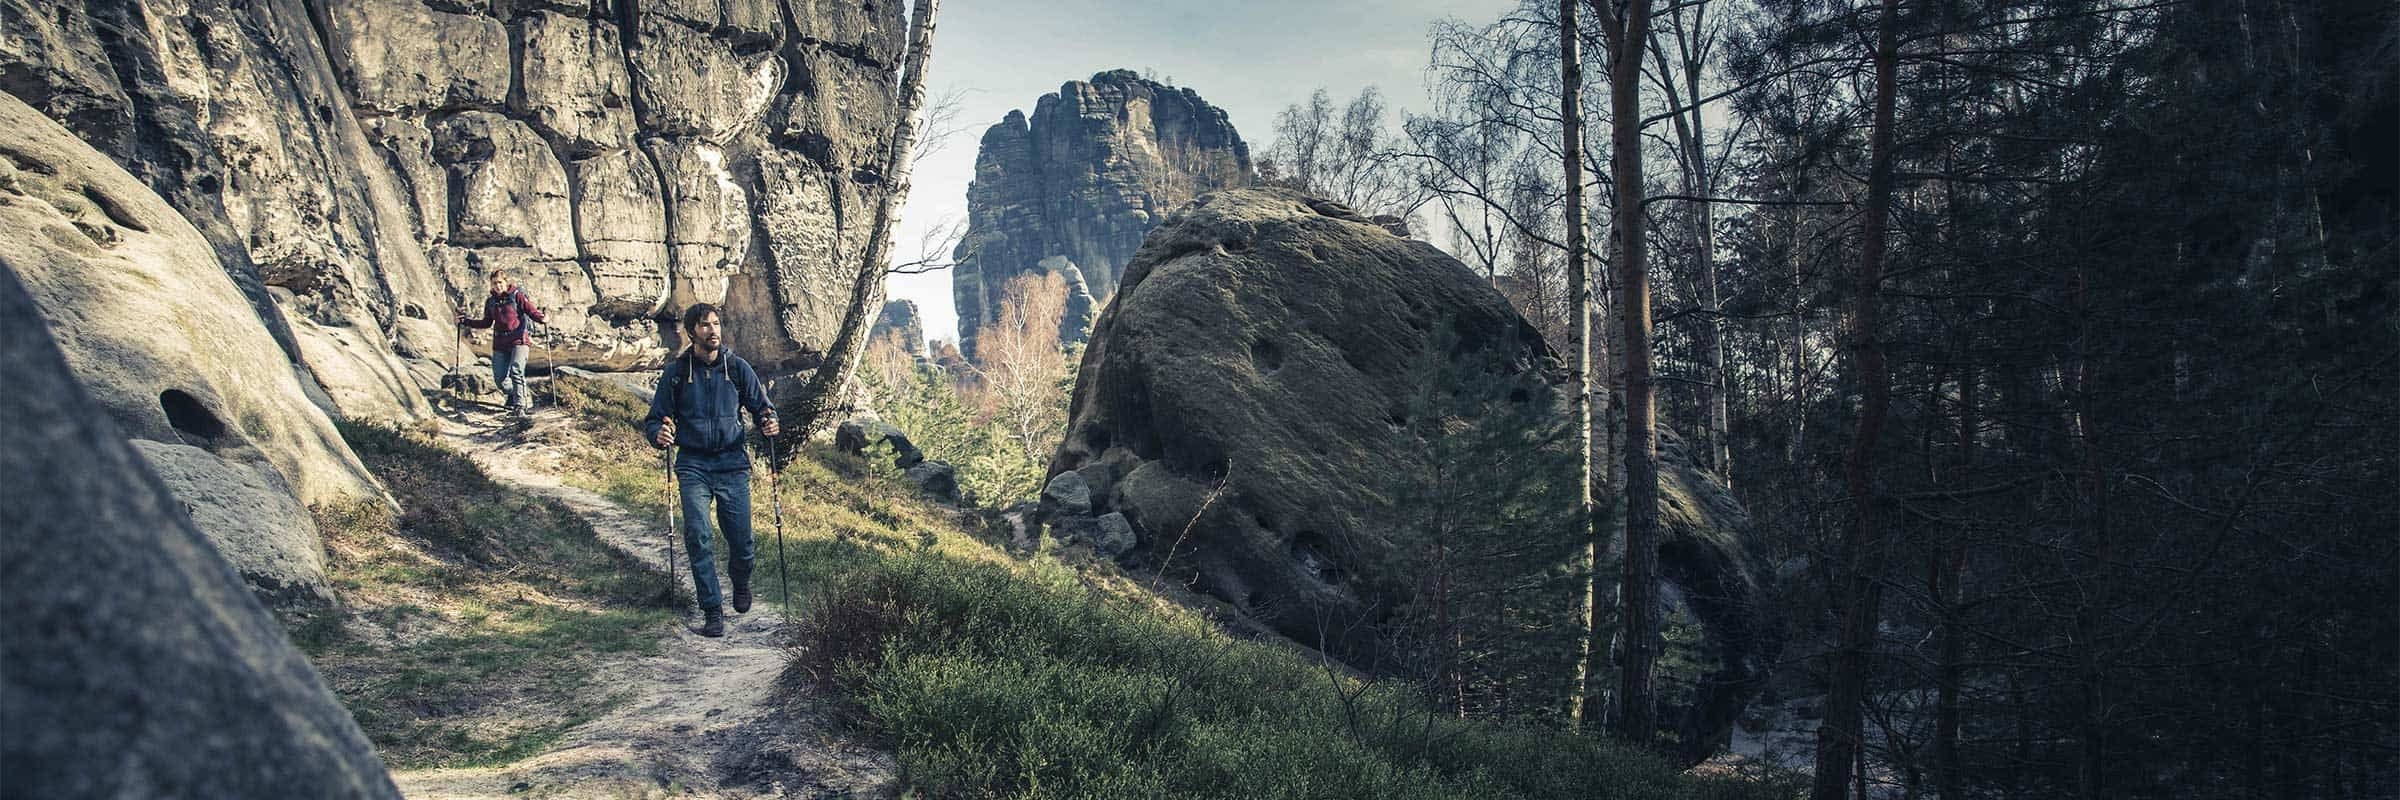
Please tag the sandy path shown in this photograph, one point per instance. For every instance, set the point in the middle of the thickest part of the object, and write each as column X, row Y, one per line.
column 697, row 719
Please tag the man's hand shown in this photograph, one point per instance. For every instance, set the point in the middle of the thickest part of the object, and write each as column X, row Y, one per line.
column 462, row 320
column 666, row 434
column 770, row 427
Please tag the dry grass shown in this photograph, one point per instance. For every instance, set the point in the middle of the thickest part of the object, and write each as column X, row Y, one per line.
column 471, row 619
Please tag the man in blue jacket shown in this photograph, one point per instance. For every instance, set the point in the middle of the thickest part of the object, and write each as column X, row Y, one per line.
column 698, row 407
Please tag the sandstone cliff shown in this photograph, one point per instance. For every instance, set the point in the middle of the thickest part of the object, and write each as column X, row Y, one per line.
column 359, row 165
column 1096, row 166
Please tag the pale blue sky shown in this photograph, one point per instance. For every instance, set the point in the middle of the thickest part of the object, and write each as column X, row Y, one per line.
column 1249, row 57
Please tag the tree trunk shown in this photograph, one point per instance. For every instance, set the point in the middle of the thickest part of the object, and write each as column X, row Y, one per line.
column 1948, row 572
column 1839, row 739
column 822, row 396
column 1691, row 137
column 1579, row 337
column 1627, row 35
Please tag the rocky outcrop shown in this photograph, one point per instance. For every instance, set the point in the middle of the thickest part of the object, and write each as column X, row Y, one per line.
column 1252, row 381
column 854, row 436
column 149, row 318
column 250, row 515
column 900, row 318
column 1711, row 574
column 360, row 166
column 1096, row 166
column 1081, row 309
column 1283, row 393
column 133, row 663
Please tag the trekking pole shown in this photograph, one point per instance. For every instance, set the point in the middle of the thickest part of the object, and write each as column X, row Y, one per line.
column 550, row 357
column 672, row 498
column 775, row 488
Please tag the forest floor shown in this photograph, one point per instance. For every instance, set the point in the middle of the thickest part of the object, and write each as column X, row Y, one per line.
column 699, row 717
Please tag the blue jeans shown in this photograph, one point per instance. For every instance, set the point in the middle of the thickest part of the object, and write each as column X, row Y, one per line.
column 730, row 488
column 508, row 373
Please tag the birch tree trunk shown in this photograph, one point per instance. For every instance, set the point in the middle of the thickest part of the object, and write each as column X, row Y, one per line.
column 823, row 395
column 1579, row 336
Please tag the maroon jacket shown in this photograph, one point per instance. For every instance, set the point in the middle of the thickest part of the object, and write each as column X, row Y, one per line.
column 507, row 313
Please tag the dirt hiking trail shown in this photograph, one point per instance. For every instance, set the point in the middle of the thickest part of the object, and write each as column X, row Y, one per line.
column 697, row 720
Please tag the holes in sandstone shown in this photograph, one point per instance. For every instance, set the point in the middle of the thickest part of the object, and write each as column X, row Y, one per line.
column 190, row 416
column 1265, row 356
column 1181, row 249
column 1469, row 338
column 116, row 211
column 28, row 163
column 1309, row 550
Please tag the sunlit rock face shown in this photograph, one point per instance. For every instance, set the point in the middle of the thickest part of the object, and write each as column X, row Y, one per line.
column 1097, row 165
column 361, row 166
column 152, row 326
column 901, row 322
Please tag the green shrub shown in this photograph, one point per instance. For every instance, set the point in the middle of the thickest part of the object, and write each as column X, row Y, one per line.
column 1003, row 681
column 998, row 677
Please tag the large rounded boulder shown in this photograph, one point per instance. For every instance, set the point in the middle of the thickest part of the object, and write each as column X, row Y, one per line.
column 1257, row 361
column 163, row 340
column 134, row 664
column 1251, row 402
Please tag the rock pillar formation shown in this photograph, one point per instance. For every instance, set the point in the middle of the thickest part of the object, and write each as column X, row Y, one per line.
column 1098, row 165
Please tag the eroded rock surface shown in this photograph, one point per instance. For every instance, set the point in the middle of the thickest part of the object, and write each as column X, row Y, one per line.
column 149, row 319
column 134, row 663
column 1084, row 178
column 153, row 327
column 359, row 166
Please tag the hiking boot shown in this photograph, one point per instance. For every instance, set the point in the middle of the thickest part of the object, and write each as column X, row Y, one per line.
column 713, row 623
column 741, row 598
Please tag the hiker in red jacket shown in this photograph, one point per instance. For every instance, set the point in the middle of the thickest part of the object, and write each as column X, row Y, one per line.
column 506, row 311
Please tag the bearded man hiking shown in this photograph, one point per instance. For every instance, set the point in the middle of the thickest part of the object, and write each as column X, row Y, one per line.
column 507, row 311
column 698, row 407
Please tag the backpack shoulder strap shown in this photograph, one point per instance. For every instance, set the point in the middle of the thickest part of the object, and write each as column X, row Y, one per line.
column 675, row 375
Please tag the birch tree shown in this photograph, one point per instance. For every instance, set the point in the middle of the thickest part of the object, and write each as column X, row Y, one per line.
column 819, row 400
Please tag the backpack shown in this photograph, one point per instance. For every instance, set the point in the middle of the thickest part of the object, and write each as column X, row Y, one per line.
column 515, row 300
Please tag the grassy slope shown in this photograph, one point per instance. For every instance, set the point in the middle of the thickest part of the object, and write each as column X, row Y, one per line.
column 471, row 620
column 1045, row 677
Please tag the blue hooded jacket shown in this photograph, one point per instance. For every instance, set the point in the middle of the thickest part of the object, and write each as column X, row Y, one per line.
column 707, row 401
